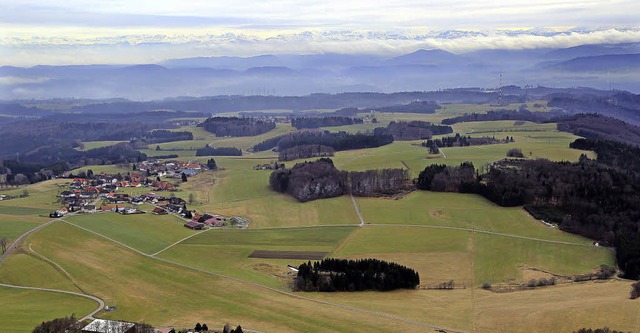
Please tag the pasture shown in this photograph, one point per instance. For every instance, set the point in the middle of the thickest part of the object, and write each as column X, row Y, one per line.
column 210, row 276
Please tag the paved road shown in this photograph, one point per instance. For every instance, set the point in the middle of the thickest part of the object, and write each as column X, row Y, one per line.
column 282, row 292
column 19, row 240
column 89, row 316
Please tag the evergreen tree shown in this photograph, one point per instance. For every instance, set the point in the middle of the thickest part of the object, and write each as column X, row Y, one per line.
column 205, row 328
column 184, row 177
column 198, row 327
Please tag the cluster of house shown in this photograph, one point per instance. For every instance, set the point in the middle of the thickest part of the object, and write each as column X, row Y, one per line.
column 171, row 169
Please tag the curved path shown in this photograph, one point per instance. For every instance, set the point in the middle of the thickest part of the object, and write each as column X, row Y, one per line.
column 19, row 240
column 282, row 292
column 89, row 316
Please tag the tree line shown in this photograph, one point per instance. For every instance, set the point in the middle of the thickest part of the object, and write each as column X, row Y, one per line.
column 494, row 115
column 336, row 140
column 412, row 130
column 316, row 122
column 320, row 179
column 305, row 151
column 234, row 126
column 161, row 135
column 331, row 274
column 219, row 151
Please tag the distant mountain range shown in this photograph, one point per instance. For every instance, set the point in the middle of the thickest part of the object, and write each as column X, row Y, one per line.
column 600, row 66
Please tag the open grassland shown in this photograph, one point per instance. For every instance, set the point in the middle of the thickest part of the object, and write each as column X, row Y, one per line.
column 160, row 293
column 497, row 258
column 227, row 251
column 458, row 210
column 24, row 268
column 87, row 145
column 145, row 232
column 22, row 310
column 565, row 308
column 535, row 141
column 42, row 199
column 245, row 192
column 12, row 227
column 247, row 142
column 106, row 169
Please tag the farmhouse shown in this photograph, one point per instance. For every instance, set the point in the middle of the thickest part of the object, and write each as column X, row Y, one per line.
column 109, row 326
column 89, row 209
column 159, row 211
column 194, row 225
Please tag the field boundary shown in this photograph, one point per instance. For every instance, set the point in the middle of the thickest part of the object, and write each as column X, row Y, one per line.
column 282, row 292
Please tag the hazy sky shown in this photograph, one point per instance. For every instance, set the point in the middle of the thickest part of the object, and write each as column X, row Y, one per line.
column 128, row 31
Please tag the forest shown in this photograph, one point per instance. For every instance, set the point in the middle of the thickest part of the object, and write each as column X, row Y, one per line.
column 595, row 126
column 412, row 130
column 316, row 122
column 336, row 140
column 234, row 126
column 220, row 151
column 46, row 162
column 320, row 179
column 329, row 275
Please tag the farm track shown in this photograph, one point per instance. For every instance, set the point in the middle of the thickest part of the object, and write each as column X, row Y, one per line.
column 282, row 292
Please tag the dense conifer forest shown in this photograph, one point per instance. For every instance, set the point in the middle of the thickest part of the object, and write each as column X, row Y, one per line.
column 316, row 122
column 330, row 274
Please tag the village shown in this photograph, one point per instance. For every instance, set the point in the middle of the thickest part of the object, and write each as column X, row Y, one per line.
column 89, row 193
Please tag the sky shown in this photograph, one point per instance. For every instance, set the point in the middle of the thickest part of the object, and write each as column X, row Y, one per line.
column 145, row 31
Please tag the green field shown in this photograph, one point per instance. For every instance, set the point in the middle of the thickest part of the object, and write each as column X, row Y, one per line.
column 22, row 310
column 444, row 236
column 145, row 232
column 12, row 227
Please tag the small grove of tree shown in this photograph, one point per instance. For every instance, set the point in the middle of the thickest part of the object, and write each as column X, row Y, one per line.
column 515, row 152
column 332, row 274
column 321, row 179
column 461, row 141
column 635, row 290
column 220, row 151
column 211, row 164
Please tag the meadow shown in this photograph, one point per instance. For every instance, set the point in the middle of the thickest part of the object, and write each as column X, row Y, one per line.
column 207, row 276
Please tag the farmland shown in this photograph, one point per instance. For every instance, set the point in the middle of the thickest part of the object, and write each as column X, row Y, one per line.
column 154, row 270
